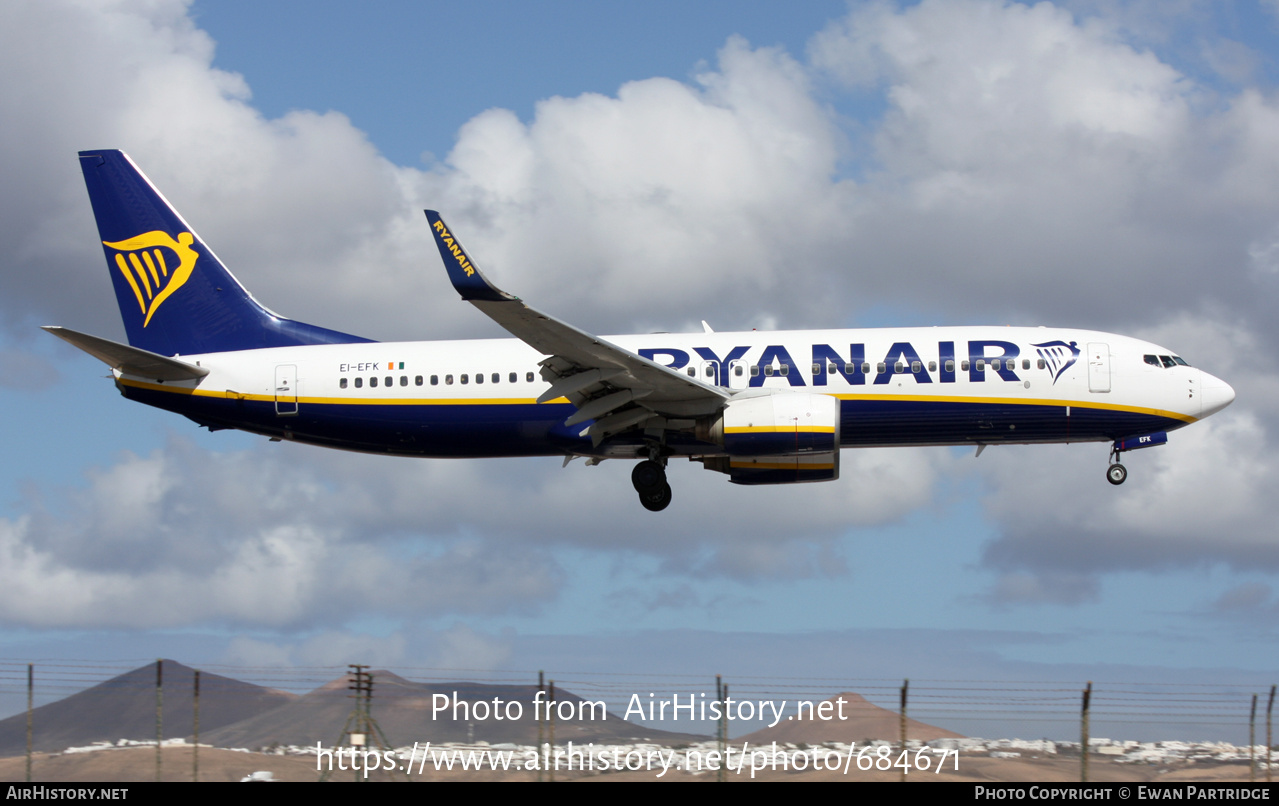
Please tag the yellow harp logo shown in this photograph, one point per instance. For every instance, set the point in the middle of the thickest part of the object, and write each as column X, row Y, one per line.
column 141, row 260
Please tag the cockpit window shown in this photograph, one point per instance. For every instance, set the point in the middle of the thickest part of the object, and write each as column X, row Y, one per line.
column 1165, row 361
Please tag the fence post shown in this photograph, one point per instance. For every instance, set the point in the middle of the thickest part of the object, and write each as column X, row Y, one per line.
column 159, row 712
column 31, row 674
column 721, row 732
column 550, row 718
column 195, row 749
column 1270, row 706
column 537, row 711
column 1252, row 741
column 1083, row 739
column 905, row 690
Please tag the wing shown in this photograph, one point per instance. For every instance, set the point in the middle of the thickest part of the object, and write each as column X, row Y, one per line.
column 611, row 385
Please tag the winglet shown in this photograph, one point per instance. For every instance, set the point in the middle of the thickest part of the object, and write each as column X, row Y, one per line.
column 465, row 276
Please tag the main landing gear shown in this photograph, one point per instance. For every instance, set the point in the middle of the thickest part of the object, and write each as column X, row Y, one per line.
column 649, row 479
column 1116, row 473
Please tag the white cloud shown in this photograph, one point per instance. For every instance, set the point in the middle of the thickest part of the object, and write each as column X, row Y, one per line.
column 1032, row 164
column 1198, row 502
column 283, row 536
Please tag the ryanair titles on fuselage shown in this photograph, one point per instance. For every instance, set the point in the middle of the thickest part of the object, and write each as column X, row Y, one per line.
column 902, row 358
column 977, row 360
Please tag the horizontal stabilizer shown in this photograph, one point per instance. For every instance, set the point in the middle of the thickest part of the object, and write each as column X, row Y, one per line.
column 130, row 360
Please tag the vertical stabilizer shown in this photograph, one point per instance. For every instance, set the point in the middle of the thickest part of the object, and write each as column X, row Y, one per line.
column 175, row 296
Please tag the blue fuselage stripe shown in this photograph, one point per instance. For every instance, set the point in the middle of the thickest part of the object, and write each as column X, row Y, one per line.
column 529, row 429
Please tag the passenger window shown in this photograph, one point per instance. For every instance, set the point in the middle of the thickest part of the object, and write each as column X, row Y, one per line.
column 737, row 370
column 342, row 383
column 994, row 364
column 849, row 369
column 950, row 366
column 932, row 366
column 373, row 382
column 865, row 367
column 359, row 383
column 417, row 381
column 497, row 377
column 464, row 378
column 479, row 377
column 915, row 366
column 768, row 370
column 754, row 370
column 692, row 373
column 448, row 380
column 435, row 380
column 390, row 381
column 881, row 367
column 981, row 364
column 898, row 367
column 404, row 380
column 964, row 366
column 710, row 371
column 529, row 377
column 1025, row 363
column 817, row 369
column 513, row 377
column 785, row 368
column 1040, row 363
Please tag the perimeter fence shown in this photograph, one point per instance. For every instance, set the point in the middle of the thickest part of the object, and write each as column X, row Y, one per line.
column 1057, row 709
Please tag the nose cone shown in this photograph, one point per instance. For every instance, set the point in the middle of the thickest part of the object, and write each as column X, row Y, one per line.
column 1214, row 394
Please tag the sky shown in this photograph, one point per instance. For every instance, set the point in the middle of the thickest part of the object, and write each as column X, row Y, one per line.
column 638, row 168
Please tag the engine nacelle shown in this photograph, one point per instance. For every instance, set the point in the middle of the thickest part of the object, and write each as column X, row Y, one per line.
column 778, row 424
column 779, row 438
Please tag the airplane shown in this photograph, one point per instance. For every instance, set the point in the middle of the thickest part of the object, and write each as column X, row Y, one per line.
column 760, row 407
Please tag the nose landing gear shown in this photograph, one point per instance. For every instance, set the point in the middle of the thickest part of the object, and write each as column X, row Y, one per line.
column 1116, row 473
column 649, row 480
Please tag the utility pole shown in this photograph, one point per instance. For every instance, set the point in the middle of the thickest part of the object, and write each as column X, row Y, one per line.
column 550, row 720
column 361, row 729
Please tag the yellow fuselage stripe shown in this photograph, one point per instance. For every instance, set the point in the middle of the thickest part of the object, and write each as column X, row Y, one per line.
column 781, row 429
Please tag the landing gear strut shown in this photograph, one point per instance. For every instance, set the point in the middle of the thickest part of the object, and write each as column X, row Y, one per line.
column 649, row 480
column 1116, row 473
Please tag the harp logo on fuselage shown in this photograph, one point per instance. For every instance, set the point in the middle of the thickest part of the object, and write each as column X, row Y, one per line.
column 153, row 276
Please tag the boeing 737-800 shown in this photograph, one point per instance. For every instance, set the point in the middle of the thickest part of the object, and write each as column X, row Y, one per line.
column 760, row 407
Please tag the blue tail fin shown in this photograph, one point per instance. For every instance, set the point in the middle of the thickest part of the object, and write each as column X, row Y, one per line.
column 176, row 297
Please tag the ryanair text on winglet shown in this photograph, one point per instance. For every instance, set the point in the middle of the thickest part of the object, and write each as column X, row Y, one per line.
column 449, row 241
